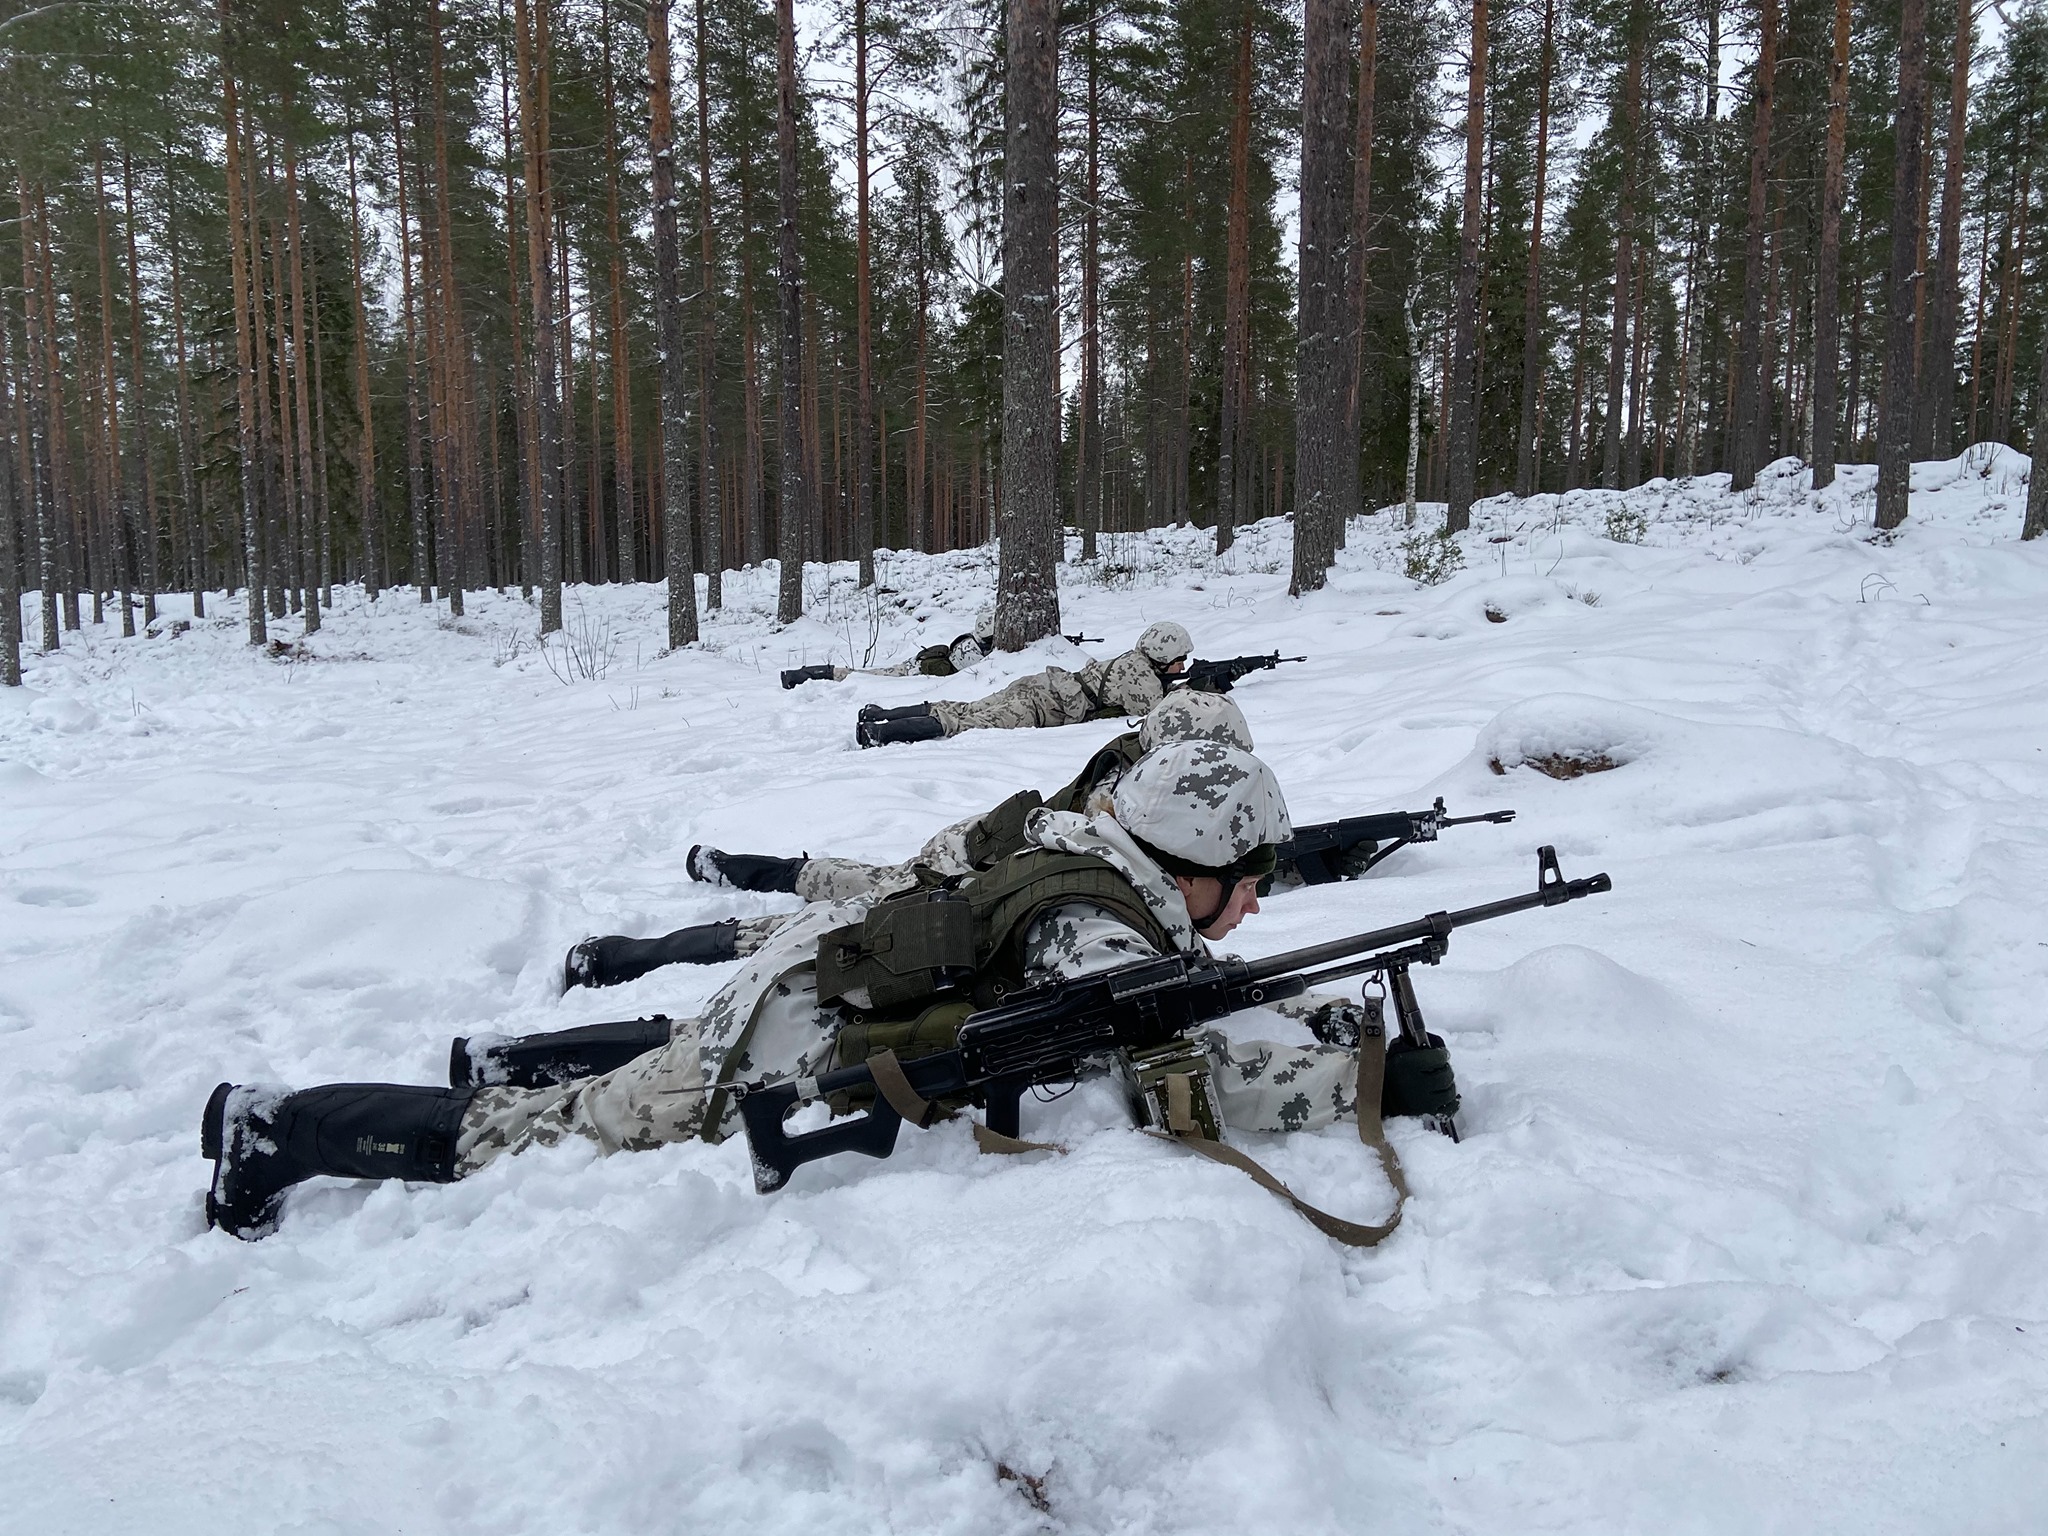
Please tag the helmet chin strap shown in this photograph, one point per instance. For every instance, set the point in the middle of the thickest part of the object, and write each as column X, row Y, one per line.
column 1221, row 902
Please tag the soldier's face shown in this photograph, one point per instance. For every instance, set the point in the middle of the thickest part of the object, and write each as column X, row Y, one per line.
column 1202, row 892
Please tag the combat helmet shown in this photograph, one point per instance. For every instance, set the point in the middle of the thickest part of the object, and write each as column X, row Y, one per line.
column 1204, row 808
column 1190, row 716
column 1164, row 643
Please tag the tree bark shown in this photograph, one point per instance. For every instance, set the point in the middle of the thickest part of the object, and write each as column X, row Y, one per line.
column 622, row 386
column 1359, row 280
column 1624, row 246
column 1236, row 286
column 1320, row 350
column 1827, row 319
column 1938, row 395
column 1532, row 285
column 245, row 349
column 1462, row 446
column 301, row 385
column 533, row 48
column 864, row 363
column 668, row 307
column 710, row 504
column 1745, row 452
column 1027, row 584
column 1895, row 401
column 1088, row 450
column 793, row 481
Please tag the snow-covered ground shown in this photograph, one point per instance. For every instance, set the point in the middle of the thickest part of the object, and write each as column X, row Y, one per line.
column 1749, row 1232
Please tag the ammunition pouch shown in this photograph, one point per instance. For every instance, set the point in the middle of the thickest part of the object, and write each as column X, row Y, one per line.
column 1169, row 1088
column 901, row 952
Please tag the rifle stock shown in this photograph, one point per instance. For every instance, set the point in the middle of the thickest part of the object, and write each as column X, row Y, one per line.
column 1050, row 1034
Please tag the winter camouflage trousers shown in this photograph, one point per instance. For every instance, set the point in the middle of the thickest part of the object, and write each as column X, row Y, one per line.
column 1052, row 697
column 655, row 1098
column 944, row 853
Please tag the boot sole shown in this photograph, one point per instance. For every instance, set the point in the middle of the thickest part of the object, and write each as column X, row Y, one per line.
column 210, row 1124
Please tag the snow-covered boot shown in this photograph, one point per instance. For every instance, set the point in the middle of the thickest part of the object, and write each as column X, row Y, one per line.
column 882, row 733
column 743, row 871
column 560, row 1056
column 264, row 1140
column 797, row 675
column 614, row 959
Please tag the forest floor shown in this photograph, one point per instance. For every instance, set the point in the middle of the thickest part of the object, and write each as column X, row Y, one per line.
column 1748, row 1233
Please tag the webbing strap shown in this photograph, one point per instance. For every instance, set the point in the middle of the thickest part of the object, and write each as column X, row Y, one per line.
column 996, row 1141
column 895, row 1087
column 1372, row 1067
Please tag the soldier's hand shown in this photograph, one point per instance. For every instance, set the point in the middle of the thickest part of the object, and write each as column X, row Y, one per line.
column 1419, row 1080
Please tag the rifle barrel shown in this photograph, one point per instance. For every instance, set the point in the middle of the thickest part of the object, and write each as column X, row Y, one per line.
column 1437, row 925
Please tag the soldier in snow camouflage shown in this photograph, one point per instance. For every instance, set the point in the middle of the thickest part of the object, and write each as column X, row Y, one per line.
column 1129, row 685
column 952, row 850
column 1191, row 828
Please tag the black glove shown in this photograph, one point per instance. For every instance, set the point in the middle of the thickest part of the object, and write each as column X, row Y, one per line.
column 1419, row 1080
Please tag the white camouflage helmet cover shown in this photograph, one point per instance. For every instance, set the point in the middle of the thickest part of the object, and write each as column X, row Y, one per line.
column 1188, row 716
column 985, row 624
column 1203, row 803
column 1164, row 643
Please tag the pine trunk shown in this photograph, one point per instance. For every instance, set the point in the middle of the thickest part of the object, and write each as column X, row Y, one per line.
column 1526, row 471
column 1745, row 450
column 1320, row 355
column 793, row 482
column 239, row 227
column 1827, row 320
column 668, row 309
column 533, row 52
column 711, row 504
column 1895, row 400
column 1236, row 288
column 1938, row 394
column 1027, row 593
column 1462, row 447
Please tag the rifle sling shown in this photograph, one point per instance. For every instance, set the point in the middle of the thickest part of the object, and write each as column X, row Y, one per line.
column 1372, row 1070
column 904, row 1099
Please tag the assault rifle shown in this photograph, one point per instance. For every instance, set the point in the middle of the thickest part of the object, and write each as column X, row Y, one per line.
column 1346, row 849
column 1222, row 676
column 1051, row 1034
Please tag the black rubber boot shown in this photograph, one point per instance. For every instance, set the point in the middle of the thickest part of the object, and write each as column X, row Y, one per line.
column 262, row 1141
column 560, row 1056
column 882, row 733
column 743, row 871
column 873, row 712
column 797, row 675
column 614, row 959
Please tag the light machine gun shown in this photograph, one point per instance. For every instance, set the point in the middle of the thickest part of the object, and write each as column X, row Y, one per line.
column 1051, row 1034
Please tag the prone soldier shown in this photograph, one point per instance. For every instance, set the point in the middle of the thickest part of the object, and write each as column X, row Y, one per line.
column 1126, row 686
column 1174, row 864
column 966, row 846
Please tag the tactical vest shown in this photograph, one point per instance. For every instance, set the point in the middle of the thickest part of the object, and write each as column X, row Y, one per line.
column 916, row 965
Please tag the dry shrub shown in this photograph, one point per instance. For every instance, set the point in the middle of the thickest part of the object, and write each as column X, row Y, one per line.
column 1562, row 765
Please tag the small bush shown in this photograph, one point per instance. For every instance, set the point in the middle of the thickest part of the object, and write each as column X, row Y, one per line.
column 1625, row 525
column 1430, row 558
